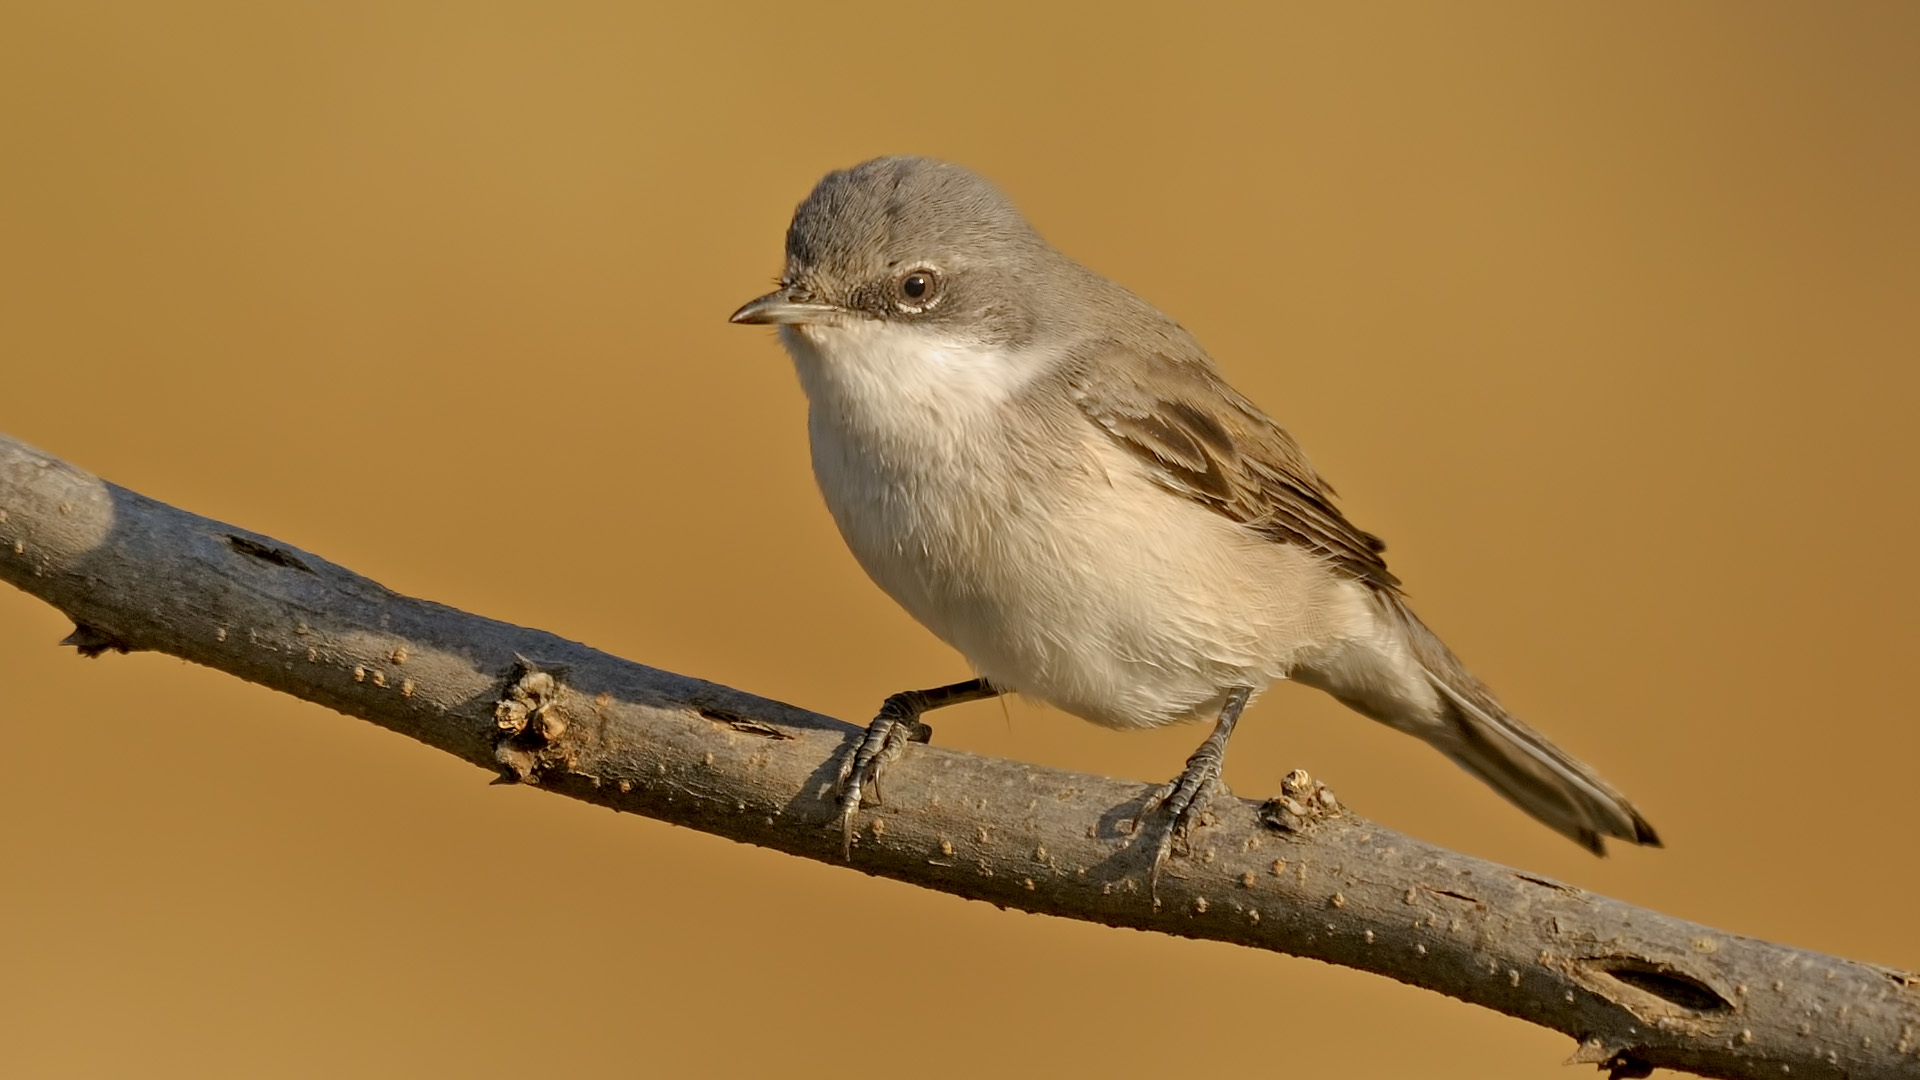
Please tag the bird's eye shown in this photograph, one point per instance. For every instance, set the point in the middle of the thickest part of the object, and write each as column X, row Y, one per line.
column 918, row 289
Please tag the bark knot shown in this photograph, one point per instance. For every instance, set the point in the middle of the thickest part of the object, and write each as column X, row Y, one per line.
column 528, row 718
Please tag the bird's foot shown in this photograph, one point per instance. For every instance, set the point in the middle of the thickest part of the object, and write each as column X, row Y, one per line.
column 897, row 725
column 1184, row 802
column 1302, row 802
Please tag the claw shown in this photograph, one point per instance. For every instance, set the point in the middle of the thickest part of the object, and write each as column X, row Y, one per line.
column 860, row 768
column 897, row 725
column 1185, row 800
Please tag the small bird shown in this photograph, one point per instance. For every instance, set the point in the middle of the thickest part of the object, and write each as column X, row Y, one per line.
column 1053, row 477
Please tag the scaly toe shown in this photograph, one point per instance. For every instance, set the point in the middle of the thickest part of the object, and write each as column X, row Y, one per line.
column 1184, row 802
column 858, row 783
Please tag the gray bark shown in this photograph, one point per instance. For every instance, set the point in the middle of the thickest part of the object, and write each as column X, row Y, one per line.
column 1298, row 874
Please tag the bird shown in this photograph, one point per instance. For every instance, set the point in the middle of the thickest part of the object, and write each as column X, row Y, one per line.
column 1054, row 477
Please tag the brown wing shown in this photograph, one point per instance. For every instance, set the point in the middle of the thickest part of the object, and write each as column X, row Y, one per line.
column 1204, row 441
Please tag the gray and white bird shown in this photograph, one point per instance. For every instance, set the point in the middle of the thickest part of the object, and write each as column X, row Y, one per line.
column 1052, row 476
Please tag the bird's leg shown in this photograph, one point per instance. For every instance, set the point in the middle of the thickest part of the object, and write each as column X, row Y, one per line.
column 1185, row 799
column 897, row 725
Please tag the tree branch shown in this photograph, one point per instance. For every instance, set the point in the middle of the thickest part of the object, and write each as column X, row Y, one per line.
column 1636, row 988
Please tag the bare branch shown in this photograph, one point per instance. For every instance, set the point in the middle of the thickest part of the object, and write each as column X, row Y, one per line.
column 1298, row 875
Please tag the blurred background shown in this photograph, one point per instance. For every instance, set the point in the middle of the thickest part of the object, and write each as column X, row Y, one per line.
column 1605, row 316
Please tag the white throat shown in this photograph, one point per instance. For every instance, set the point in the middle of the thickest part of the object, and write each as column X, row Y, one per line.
column 883, row 374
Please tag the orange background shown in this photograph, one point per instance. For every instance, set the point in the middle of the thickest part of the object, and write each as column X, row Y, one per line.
column 1604, row 315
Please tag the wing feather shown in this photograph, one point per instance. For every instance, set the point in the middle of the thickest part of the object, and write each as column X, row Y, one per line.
column 1201, row 439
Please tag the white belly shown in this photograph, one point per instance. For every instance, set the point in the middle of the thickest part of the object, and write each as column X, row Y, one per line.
column 1050, row 561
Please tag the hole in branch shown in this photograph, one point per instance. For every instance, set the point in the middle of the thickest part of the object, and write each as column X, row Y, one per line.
column 1665, row 983
column 267, row 553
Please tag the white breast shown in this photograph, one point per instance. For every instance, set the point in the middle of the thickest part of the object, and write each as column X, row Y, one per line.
column 1035, row 545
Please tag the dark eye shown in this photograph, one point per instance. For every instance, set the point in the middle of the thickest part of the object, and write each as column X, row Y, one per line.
column 918, row 288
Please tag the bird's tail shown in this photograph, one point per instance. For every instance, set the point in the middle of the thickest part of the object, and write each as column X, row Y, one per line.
column 1515, row 760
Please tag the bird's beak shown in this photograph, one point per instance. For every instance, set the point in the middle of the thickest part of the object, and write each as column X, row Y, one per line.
column 784, row 307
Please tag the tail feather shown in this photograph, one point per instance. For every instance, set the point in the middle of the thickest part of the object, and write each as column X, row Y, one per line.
column 1514, row 759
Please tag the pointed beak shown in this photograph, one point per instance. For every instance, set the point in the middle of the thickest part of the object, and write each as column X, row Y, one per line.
column 784, row 307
